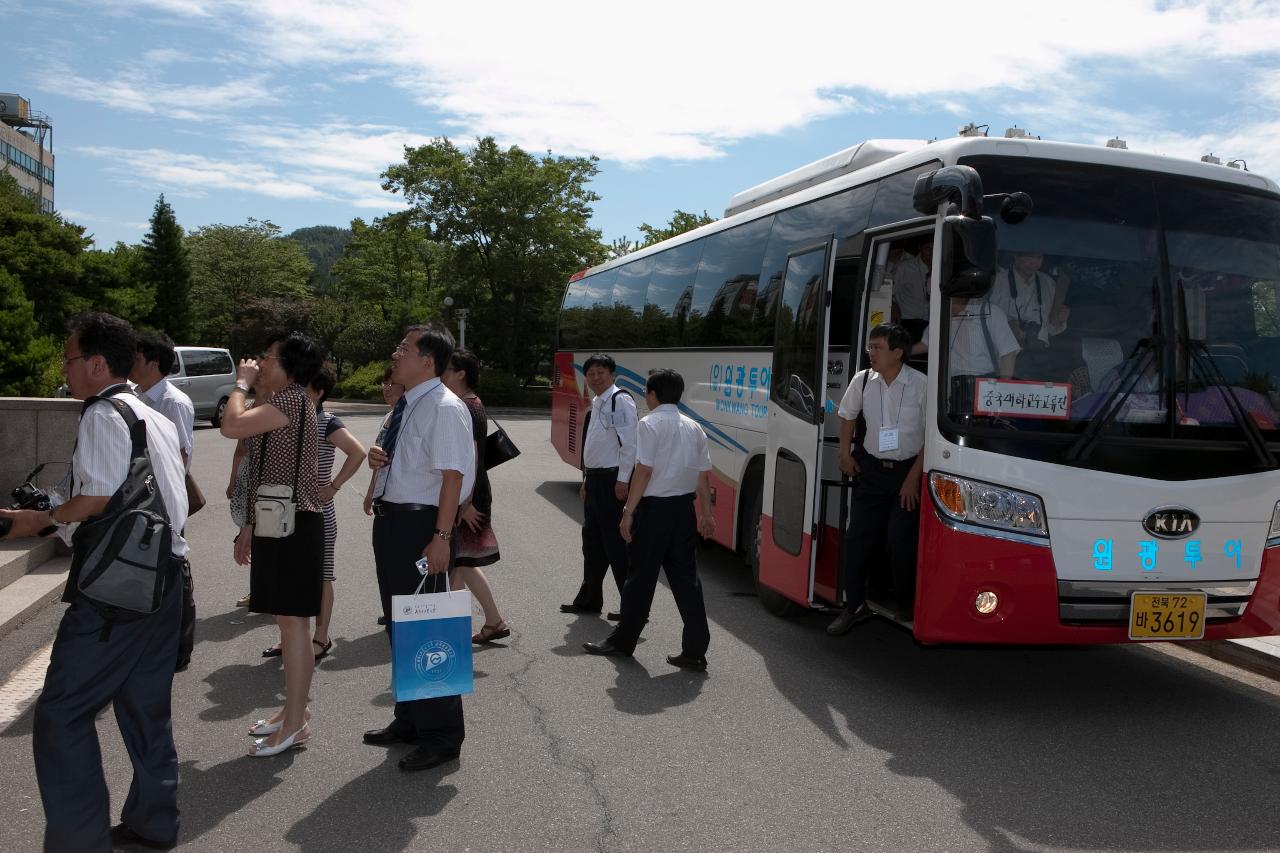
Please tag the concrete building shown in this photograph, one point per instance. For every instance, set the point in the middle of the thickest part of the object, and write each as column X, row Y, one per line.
column 24, row 153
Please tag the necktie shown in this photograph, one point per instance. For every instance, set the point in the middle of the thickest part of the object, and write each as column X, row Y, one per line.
column 393, row 428
column 387, row 441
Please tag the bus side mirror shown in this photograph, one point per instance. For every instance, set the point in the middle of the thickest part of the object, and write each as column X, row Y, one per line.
column 969, row 256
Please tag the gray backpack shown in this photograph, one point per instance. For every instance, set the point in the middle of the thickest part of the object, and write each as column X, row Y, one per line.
column 123, row 556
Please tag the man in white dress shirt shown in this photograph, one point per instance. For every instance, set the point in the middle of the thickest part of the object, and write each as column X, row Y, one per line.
column 1031, row 299
column 151, row 368
column 425, row 468
column 881, row 439
column 672, row 465
column 981, row 345
column 95, row 661
column 608, row 457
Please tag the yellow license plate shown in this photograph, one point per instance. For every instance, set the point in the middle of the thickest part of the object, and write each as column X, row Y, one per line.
column 1166, row 615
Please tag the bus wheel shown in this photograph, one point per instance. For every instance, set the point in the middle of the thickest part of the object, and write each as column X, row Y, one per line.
column 778, row 605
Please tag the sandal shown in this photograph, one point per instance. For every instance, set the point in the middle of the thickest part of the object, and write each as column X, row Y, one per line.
column 324, row 648
column 273, row 652
column 490, row 633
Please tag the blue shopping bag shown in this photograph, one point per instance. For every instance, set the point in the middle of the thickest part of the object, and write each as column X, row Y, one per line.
column 431, row 644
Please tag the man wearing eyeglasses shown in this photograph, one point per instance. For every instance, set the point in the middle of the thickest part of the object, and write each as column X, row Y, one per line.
column 881, row 438
column 95, row 662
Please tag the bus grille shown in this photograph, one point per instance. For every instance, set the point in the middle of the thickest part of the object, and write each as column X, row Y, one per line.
column 1093, row 602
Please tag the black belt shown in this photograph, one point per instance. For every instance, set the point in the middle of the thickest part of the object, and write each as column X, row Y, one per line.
column 863, row 455
column 387, row 507
column 613, row 470
column 890, row 464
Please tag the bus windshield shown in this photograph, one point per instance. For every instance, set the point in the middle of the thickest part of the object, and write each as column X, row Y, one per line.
column 1147, row 302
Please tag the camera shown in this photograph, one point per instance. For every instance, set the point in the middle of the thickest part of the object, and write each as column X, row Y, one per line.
column 26, row 496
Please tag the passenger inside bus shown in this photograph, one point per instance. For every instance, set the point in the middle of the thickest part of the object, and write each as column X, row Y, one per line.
column 1033, row 300
column 981, row 344
column 911, row 287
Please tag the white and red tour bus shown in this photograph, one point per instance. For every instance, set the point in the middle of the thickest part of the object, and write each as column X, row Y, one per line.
column 1119, row 484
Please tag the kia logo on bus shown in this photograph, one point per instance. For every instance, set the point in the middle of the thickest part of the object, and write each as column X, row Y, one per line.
column 1171, row 522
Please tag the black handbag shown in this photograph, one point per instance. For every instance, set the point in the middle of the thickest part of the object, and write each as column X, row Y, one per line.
column 499, row 448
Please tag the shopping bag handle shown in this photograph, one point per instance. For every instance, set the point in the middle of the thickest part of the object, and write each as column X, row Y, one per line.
column 422, row 583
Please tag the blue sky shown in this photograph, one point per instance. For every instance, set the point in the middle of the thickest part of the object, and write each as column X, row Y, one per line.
column 288, row 110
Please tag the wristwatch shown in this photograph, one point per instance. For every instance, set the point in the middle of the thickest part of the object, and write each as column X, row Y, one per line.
column 446, row 535
column 241, row 389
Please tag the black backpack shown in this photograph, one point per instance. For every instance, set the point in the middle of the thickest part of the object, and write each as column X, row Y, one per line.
column 122, row 557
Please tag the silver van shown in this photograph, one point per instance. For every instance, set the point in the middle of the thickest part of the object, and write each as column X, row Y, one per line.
column 207, row 375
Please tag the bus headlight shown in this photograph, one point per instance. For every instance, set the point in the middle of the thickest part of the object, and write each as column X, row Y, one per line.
column 1274, row 532
column 975, row 502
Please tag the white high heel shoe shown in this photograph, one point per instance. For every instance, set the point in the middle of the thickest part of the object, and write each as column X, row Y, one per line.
column 265, row 728
column 261, row 750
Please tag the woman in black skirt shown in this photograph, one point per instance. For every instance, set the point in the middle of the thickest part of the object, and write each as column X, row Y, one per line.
column 285, row 573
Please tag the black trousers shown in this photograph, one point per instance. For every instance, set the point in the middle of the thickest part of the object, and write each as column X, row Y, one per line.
column 602, row 545
column 398, row 541
column 132, row 669
column 876, row 506
column 664, row 535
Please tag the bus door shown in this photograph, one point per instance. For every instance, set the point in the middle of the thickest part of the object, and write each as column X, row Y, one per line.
column 898, row 268
column 797, row 400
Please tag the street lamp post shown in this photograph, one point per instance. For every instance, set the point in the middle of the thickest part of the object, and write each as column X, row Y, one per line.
column 461, row 314
column 462, row 327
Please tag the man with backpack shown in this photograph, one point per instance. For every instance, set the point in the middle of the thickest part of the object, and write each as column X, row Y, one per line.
column 608, row 457
column 118, row 640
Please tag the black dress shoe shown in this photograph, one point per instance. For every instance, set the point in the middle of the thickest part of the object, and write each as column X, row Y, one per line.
column 123, row 836
column 684, row 661
column 382, row 737
column 607, row 648
column 613, row 616
column 578, row 608
column 844, row 623
column 382, row 620
column 424, row 758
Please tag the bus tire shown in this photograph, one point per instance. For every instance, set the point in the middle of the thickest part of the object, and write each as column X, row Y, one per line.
column 775, row 603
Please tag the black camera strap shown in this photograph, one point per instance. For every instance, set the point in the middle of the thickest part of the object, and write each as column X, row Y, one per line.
column 1013, row 296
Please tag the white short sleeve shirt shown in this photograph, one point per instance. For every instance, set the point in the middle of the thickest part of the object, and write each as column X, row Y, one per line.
column 675, row 447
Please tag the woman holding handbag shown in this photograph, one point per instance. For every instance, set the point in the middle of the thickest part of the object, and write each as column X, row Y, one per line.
column 283, row 538
column 477, row 544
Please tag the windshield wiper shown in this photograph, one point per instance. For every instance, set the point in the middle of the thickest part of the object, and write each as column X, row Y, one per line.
column 1203, row 359
column 1143, row 353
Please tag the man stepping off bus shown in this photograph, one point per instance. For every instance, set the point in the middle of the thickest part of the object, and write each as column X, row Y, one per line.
column 889, row 399
column 659, row 522
column 608, row 456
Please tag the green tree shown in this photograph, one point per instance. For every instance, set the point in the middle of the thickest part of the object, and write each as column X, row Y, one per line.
column 681, row 221
column 518, row 228
column 324, row 245
column 43, row 252
column 120, row 283
column 168, row 271
column 238, row 272
column 24, row 353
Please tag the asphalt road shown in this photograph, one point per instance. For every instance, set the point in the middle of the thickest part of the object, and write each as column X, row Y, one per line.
column 791, row 741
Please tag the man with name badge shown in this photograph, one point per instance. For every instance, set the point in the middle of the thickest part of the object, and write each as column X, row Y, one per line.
column 608, row 457
column 889, row 397
column 425, row 467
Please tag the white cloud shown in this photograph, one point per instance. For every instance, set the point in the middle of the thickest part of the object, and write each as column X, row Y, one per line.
column 682, row 80
column 136, row 90
column 196, row 174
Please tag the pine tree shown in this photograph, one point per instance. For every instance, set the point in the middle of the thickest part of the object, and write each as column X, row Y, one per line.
column 170, row 272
